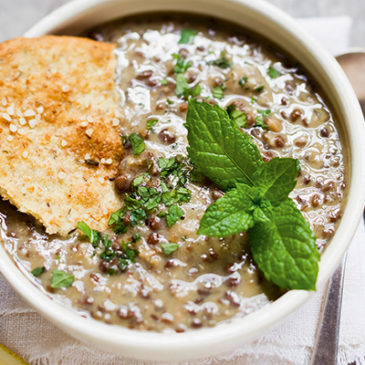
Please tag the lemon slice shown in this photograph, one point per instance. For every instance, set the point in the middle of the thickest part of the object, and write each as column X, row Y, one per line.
column 8, row 357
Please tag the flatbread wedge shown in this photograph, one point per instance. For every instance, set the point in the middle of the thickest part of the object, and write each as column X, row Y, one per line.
column 59, row 130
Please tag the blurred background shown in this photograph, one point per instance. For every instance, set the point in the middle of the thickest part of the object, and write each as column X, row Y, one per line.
column 16, row 16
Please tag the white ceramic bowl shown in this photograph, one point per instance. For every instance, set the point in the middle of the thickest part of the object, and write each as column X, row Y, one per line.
column 283, row 30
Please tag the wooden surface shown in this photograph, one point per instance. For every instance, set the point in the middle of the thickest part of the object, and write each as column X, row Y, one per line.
column 16, row 16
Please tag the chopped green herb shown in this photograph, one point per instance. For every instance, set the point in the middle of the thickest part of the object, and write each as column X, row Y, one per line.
column 61, row 279
column 181, row 85
column 273, row 73
column 163, row 82
column 181, row 64
column 136, row 237
column 169, row 248
column 166, row 163
column 239, row 117
column 169, row 102
column 253, row 100
column 142, row 200
column 137, row 215
column 116, row 222
column 264, row 112
column 222, row 61
column 38, row 271
column 183, row 89
column 153, row 202
column 151, row 123
column 130, row 254
column 124, row 140
column 187, row 36
column 259, row 89
column 260, row 122
column 218, row 92
column 243, row 81
column 256, row 200
column 93, row 235
column 260, row 119
column 137, row 143
column 138, row 181
column 173, row 215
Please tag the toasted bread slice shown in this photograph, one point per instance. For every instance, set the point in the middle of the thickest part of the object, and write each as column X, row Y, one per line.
column 59, row 132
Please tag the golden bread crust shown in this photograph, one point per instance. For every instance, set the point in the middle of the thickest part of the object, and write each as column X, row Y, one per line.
column 59, row 112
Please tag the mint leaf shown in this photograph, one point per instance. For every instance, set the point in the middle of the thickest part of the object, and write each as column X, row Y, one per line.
column 187, row 35
column 284, row 248
column 281, row 241
column 230, row 214
column 61, row 279
column 169, row 248
column 94, row 236
column 273, row 73
column 218, row 148
column 277, row 178
column 137, row 143
column 173, row 215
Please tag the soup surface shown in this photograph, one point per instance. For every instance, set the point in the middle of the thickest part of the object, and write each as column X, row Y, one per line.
column 171, row 277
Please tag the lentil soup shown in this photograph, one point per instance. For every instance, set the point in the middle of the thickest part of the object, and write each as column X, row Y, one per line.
column 159, row 274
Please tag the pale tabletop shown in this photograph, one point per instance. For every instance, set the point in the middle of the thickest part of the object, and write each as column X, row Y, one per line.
column 16, row 16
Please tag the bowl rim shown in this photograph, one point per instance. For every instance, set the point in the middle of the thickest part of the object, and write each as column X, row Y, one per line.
column 215, row 340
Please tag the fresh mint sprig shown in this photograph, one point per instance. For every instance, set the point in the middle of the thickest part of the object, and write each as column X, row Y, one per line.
column 256, row 199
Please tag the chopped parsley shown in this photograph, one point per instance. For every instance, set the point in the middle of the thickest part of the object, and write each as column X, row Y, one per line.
column 61, row 279
column 187, row 35
column 181, row 64
column 138, row 180
column 124, row 256
column 94, row 236
column 243, row 81
column 169, row 248
column 151, row 123
column 163, row 82
column 137, row 143
column 260, row 88
column 173, row 215
column 38, row 271
column 144, row 200
column 183, row 89
column 273, row 73
column 222, row 61
column 238, row 116
column 260, row 119
column 218, row 91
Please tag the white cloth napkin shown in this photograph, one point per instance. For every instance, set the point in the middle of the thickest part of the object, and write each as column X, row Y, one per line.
column 291, row 342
